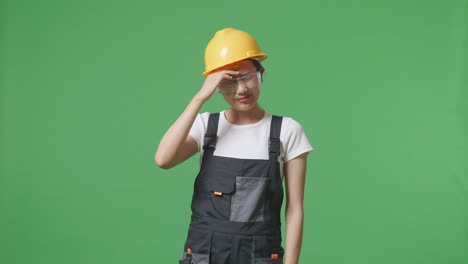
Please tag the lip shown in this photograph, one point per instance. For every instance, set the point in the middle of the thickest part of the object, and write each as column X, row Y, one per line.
column 243, row 99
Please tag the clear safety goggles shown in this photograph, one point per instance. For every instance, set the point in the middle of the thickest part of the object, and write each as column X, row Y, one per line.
column 249, row 80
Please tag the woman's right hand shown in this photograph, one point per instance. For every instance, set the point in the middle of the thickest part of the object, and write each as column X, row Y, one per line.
column 212, row 81
column 176, row 144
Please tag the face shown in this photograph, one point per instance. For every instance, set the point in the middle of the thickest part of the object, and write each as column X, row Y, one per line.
column 242, row 93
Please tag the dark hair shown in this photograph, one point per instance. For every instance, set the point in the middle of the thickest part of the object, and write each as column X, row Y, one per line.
column 258, row 65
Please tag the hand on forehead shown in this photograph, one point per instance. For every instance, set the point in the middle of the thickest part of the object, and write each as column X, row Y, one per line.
column 242, row 67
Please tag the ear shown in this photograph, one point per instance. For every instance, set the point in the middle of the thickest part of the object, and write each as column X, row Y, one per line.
column 260, row 76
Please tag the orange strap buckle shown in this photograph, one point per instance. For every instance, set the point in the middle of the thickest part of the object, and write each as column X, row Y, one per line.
column 218, row 193
column 274, row 256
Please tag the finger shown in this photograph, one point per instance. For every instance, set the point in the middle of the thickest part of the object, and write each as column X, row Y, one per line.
column 227, row 76
column 232, row 73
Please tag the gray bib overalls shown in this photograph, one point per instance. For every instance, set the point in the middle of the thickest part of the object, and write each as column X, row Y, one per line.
column 236, row 206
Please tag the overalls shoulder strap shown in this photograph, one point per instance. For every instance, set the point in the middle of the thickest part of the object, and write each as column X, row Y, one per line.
column 274, row 146
column 211, row 132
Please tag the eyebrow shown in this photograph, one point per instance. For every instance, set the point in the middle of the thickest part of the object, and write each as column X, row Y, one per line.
column 245, row 73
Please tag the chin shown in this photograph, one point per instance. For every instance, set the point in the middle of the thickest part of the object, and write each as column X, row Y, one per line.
column 242, row 107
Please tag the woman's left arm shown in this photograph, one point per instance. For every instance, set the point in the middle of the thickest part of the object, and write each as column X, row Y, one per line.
column 295, row 172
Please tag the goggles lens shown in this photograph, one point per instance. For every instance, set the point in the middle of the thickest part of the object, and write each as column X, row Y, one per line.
column 249, row 80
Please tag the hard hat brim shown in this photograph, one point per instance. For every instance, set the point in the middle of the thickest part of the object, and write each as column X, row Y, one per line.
column 260, row 56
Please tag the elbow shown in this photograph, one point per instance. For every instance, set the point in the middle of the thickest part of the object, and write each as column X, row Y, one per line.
column 296, row 211
column 294, row 216
column 162, row 163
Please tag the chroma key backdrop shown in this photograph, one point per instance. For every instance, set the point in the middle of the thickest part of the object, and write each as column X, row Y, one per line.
column 88, row 88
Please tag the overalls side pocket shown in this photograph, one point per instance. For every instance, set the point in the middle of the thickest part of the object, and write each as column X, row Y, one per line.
column 198, row 247
column 268, row 261
column 195, row 258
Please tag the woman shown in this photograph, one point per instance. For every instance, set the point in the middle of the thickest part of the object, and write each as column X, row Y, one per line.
column 245, row 152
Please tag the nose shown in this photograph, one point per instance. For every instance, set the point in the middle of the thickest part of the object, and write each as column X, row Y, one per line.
column 241, row 87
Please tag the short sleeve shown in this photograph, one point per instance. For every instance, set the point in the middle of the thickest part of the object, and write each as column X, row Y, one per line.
column 197, row 131
column 295, row 140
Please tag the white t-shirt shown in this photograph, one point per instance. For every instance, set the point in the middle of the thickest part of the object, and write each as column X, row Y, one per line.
column 250, row 141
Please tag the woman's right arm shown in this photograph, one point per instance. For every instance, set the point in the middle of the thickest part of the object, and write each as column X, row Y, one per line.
column 176, row 146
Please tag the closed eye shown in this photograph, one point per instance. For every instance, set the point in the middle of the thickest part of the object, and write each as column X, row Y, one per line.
column 246, row 76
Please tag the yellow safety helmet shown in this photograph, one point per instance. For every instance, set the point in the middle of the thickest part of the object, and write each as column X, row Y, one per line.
column 230, row 45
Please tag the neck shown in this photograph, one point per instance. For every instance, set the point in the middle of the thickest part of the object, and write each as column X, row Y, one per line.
column 250, row 116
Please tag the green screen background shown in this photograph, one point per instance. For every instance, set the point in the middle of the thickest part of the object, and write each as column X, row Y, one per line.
column 88, row 88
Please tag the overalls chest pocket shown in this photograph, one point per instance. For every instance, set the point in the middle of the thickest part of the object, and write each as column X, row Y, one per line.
column 249, row 200
column 221, row 189
column 238, row 198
